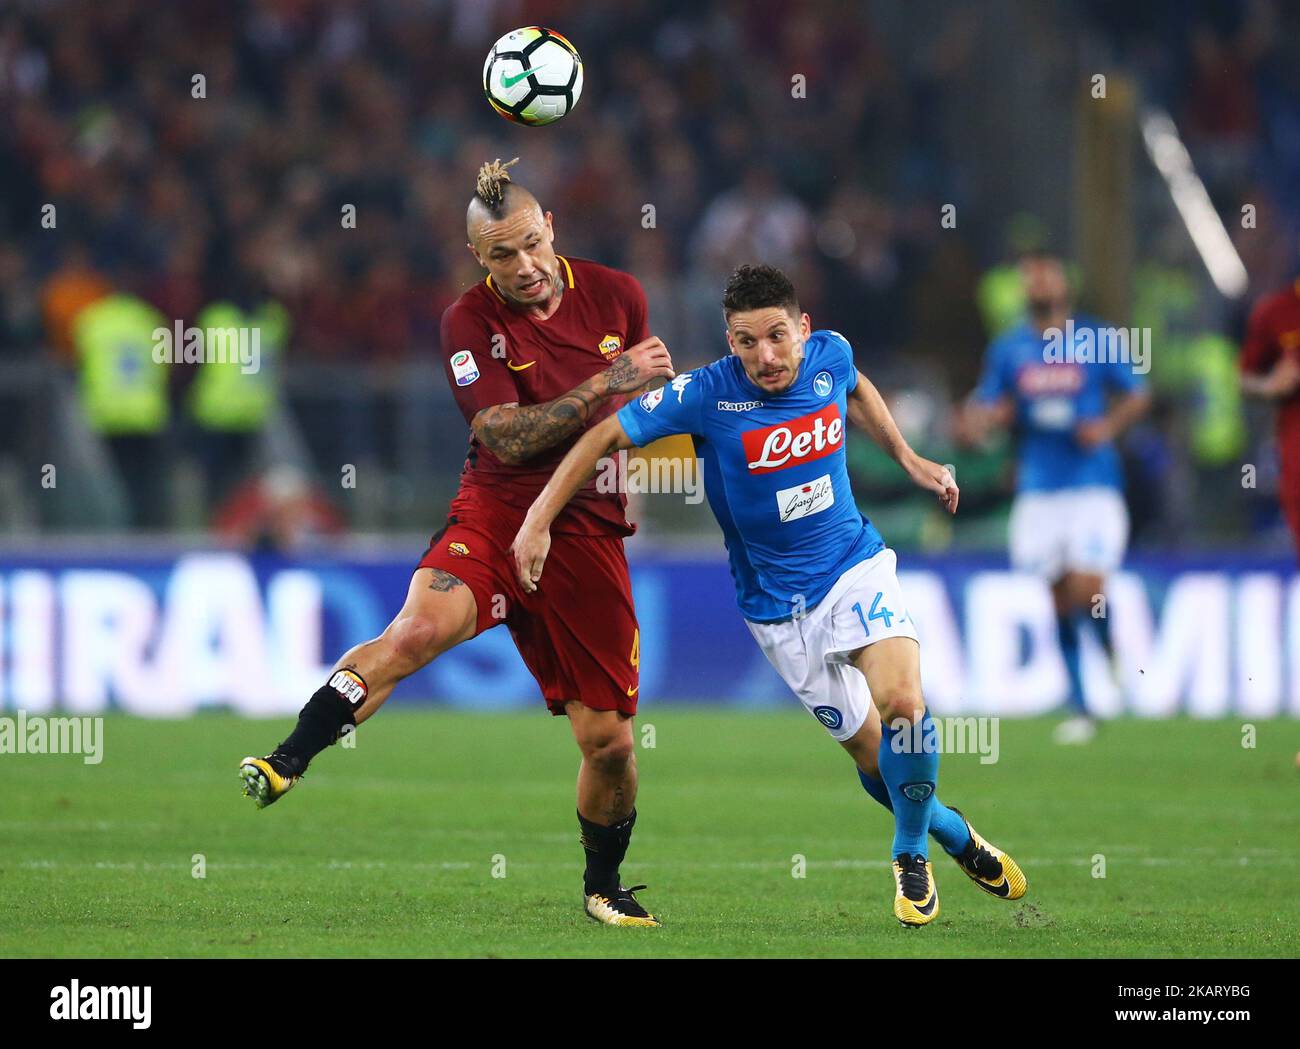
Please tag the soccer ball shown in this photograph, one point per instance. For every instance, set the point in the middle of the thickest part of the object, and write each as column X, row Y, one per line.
column 532, row 76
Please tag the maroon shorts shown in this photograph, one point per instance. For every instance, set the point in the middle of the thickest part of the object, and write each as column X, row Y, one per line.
column 577, row 634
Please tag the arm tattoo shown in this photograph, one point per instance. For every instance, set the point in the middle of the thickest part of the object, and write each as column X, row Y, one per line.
column 516, row 433
column 443, row 580
column 623, row 376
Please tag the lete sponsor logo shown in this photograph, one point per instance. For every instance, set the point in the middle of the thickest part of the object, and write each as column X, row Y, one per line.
column 803, row 500
column 463, row 368
column 801, row 440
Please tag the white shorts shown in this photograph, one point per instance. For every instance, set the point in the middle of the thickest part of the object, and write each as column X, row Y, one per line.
column 1073, row 529
column 812, row 652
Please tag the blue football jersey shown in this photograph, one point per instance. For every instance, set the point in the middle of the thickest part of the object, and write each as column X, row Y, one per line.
column 774, row 472
column 1052, row 397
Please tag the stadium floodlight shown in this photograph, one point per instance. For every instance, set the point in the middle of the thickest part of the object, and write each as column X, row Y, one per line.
column 1170, row 156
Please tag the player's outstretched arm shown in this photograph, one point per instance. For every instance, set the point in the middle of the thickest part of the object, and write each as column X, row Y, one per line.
column 868, row 412
column 516, row 433
column 533, row 541
column 1278, row 384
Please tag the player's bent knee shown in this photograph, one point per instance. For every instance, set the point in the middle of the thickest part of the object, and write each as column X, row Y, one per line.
column 901, row 704
column 414, row 641
column 609, row 753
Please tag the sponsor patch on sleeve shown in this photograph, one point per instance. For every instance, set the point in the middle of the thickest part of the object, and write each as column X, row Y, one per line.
column 463, row 368
column 650, row 401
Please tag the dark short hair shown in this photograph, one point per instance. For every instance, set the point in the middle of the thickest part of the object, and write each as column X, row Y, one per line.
column 757, row 288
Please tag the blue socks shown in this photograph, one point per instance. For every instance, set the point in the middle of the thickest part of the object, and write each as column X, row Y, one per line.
column 909, row 767
column 1067, row 632
column 946, row 827
column 1101, row 630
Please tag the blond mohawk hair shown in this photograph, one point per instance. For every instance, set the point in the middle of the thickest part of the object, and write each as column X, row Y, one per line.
column 491, row 184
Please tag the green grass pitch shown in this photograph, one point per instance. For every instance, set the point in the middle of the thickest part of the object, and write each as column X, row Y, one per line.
column 390, row 848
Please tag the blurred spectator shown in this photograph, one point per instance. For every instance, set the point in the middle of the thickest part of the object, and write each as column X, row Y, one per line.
column 69, row 290
column 332, row 148
column 237, row 385
column 124, row 396
column 278, row 511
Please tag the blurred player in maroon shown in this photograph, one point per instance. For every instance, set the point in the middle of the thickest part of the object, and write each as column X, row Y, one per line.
column 537, row 353
column 1270, row 366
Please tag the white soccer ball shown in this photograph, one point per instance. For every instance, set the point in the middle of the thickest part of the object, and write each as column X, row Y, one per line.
column 532, row 76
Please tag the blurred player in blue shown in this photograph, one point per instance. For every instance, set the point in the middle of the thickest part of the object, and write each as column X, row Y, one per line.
column 1067, row 388
column 814, row 580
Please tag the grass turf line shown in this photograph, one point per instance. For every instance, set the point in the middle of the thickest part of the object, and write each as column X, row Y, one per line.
column 389, row 849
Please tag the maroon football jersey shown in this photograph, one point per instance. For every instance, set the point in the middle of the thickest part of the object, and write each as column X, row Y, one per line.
column 1274, row 332
column 495, row 354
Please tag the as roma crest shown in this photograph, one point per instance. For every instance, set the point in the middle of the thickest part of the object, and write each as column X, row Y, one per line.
column 610, row 347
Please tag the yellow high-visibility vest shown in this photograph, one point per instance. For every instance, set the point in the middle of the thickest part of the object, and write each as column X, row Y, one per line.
column 229, row 393
column 123, row 389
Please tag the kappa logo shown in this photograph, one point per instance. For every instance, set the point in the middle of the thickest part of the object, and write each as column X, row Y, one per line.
column 829, row 716
column 680, row 383
column 812, row 436
column 463, row 368
column 458, row 549
column 823, row 384
column 739, row 406
column 610, row 347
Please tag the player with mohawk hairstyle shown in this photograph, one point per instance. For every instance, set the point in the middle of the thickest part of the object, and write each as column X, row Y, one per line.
column 538, row 352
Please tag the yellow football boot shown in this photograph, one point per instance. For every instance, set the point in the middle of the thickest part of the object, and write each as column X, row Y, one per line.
column 916, row 899
column 263, row 782
column 619, row 908
column 990, row 868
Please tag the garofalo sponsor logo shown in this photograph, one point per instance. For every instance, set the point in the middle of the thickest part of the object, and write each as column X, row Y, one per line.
column 42, row 735
column 75, row 1002
column 803, row 500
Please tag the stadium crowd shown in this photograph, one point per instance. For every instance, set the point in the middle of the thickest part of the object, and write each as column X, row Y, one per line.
column 209, row 154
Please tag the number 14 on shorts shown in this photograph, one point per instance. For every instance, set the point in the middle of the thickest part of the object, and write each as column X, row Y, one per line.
column 877, row 611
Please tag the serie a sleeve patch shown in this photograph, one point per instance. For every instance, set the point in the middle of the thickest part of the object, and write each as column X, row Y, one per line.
column 464, row 369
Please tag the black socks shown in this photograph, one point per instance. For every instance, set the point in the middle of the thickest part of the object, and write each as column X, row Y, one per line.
column 320, row 723
column 605, row 848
